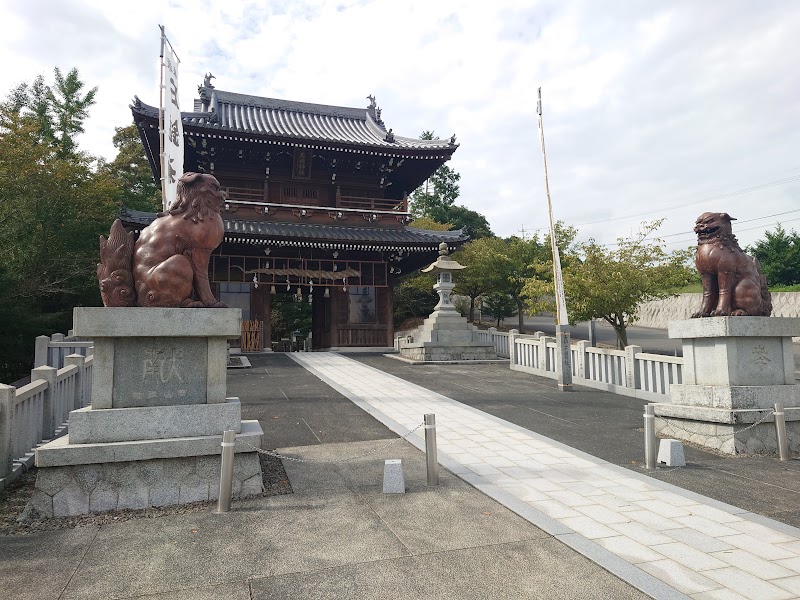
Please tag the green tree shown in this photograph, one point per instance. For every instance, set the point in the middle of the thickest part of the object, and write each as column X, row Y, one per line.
column 435, row 200
column 483, row 259
column 611, row 283
column 131, row 172
column 499, row 306
column 779, row 255
column 69, row 108
column 461, row 217
column 53, row 207
column 414, row 297
column 539, row 289
column 519, row 263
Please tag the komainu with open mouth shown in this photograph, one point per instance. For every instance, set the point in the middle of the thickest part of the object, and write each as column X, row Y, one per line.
column 733, row 284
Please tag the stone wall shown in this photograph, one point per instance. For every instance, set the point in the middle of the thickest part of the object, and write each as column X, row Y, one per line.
column 660, row 312
column 82, row 489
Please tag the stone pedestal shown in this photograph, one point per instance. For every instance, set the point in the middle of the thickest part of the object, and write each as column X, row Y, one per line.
column 152, row 435
column 446, row 336
column 735, row 369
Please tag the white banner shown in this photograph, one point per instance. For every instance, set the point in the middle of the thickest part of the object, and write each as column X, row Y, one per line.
column 172, row 132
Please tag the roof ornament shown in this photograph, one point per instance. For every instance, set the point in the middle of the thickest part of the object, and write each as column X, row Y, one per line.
column 137, row 102
column 372, row 103
column 389, row 136
column 207, row 80
column 453, row 140
column 214, row 116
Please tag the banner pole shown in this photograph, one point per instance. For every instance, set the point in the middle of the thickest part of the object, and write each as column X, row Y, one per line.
column 161, row 119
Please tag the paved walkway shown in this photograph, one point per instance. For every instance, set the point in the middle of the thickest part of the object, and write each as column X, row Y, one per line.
column 666, row 541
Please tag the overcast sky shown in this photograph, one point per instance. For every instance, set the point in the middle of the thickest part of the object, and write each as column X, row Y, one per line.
column 651, row 109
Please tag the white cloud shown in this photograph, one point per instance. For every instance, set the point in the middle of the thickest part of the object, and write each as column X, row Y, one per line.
column 650, row 108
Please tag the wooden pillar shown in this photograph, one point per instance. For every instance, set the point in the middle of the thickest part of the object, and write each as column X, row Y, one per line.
column 389, row 315
column 259, row 309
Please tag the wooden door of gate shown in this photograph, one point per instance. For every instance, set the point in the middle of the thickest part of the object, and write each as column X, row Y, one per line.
column 252, row 336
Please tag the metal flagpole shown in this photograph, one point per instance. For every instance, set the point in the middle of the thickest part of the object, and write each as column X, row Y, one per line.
column 161, row 119
column 564, row 361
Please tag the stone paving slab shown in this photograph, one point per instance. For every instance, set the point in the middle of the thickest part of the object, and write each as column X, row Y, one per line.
column 583, row 500
column 342, row 541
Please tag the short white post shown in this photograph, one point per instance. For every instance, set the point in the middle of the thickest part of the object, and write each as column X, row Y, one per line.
column 780, row 431
column 649, row 437
column 226, row 471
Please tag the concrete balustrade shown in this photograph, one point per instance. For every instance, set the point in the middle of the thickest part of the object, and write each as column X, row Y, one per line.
column 39, row 411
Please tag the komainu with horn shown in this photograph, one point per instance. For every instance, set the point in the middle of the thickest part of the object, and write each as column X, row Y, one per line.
column 168, row 265
column 733, row 284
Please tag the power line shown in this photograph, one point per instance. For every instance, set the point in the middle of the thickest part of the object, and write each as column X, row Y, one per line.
column 689, row 239
column 740, row 192
column 740, row 222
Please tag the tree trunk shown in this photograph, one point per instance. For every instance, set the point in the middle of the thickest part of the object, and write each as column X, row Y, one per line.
column 521, row 316
column 471, row 309
column 622, row 333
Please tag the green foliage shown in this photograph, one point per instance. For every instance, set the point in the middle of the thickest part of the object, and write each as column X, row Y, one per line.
column 483, row 259
column 288, row 315
column 414, row 297
column 53, row 207
column 131, row 172
column 779, row 255
column 435, row 200
column 499, row 306
column 611, row 283
column 57, row 112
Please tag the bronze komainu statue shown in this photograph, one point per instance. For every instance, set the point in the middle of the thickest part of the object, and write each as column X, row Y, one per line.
column 168, row 265
column 733, row 284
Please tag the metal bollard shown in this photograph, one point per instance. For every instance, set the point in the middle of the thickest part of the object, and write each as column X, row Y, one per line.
column 226, row 472
column 649, row 437
column 430, row 450
column 780, row 431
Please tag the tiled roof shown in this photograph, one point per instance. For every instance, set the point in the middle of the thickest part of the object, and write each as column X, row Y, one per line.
column 313, row 232
column 228, row 111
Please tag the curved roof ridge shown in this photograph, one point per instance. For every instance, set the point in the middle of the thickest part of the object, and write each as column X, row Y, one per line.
column 290, row 105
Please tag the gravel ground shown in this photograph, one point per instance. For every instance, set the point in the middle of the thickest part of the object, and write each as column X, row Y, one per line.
column 14, row 499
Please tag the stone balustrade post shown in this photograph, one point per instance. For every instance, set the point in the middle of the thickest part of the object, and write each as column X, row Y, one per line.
column 7, row 393
column 57, row 354
column 632, row 378
column 40, row 351
column 48, row 408
column 582, row 367
column 545, row 362
column 492, row 335
column 77, row 360
column 512, row 337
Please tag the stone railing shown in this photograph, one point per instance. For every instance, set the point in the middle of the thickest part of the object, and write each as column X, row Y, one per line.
column 498, row 338
column 51, row 351
column 629, row 372
column 39, row 411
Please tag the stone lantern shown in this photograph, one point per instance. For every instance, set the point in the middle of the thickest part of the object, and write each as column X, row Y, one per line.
column 445, row 336
column 444, row 269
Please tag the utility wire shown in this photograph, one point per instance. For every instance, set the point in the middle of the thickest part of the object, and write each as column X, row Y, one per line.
column 740, row 192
